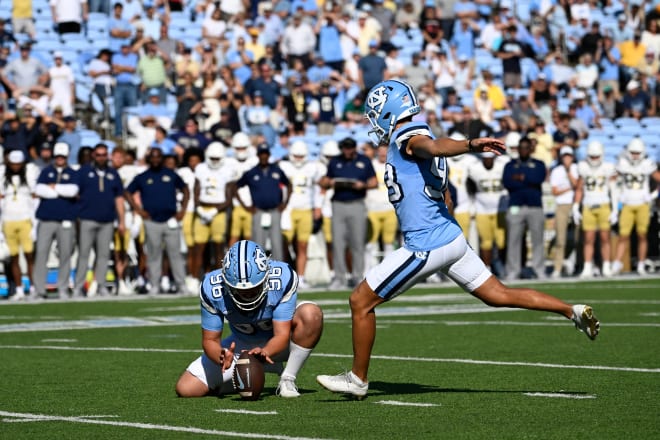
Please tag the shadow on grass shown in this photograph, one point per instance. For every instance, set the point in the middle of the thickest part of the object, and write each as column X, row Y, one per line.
column 380, row 389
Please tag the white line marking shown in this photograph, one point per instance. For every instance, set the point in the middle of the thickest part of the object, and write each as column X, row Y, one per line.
column 499, row 363
column 547, row 324
column 398, row 403
column 245, row 411
column 561, row 395
column 188, row 429
column 348, row 356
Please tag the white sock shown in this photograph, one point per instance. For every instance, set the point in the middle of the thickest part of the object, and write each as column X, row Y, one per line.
column 388, row 249
column 297, row 357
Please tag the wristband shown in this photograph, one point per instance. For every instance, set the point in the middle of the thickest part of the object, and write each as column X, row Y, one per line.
column 470, row 147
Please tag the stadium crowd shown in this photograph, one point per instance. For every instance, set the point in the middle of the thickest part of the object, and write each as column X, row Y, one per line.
column 197, row 123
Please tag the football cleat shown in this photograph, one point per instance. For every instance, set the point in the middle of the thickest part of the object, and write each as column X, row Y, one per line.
column 287, row 388
column 586, row 321
column 346, row 383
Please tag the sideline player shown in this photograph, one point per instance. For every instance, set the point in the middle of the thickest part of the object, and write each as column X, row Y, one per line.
column 257, row 297
column 417, row 178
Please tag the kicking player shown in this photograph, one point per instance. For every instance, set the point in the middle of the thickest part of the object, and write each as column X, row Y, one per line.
column 257, row 297
column 417, row 179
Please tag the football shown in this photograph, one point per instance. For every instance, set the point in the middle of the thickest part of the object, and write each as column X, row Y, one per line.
column 249, row 376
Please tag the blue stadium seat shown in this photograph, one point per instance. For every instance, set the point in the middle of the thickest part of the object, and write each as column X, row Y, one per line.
column 627, row 122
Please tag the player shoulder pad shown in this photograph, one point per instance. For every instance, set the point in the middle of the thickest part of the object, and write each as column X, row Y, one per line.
column 211, row 288
column 410, row 130
column 288, row 277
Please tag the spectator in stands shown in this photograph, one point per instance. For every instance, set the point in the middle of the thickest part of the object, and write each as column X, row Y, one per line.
column 622, row 32
column 469, row 124
column 295, row 106
column 62, row 86
column 632, row 53
column 240, row 60
column 24, row 72
column 270, row 190
column 71, row 137
column 6, row 37
column 185, row 63
column 511, row 50
column 298, row 41
column 432, row 31
column 158, row 187
column 363, row 30
column 57, row 187
column 542, row 142
column 17, row 202
column 45, row 157
column 462, row 41
column 329, row 33
column 152, row 71
column 591, row 40
column 563, row 180
column 258, row 117
column 636, row 101
column 415, row 74
column 273, row 27
column 325, row 115
column 213, row 26
column 124, row 66
column 651, row 37
column 189, row 137
column 14, row 133
column 611, row 107
column 68, row 15
column 385, row 17
column 495, row 92
column 372, row 67
column 585, row 111
column 350, row 174
column 189, row 98
column 523, row 177
column 120, row 29
column 22, row 19
column 407, row 16
column 608, row 57
column 319, row 71
column 586, row 73
column 564, row 134
column 100, row 203
column 100, row 71
column 267, row 86
column 132, row 10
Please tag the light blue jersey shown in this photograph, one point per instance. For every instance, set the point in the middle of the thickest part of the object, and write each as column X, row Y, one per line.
column 416, row 188
column 257, row 326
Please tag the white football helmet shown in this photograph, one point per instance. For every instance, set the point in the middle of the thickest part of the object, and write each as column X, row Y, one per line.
column 240, row 142
column 595, row 152
column 298, row 153
column 328, row 150
column 215, row 152
column 511, row 142
column 635, row 146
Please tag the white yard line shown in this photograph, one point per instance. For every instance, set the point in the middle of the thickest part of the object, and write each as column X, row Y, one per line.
column 348, row 356
column 149, row 426
column 399, row 403
column 248, row 412
column 561, row 395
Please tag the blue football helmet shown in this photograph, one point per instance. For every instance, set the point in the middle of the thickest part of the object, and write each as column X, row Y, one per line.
column 387, row 103
column 245, row 269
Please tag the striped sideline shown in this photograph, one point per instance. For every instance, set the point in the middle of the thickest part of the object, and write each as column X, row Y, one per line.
column 10, row 416
column 348, row 356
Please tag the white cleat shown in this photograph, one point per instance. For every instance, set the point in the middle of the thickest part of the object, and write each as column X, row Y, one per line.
column 641, row 268
column 93, row 289
column 124, row 289
column 585, row 320
column 287, row 388
column 607, row 269
column 346, row 383
column 19, row 295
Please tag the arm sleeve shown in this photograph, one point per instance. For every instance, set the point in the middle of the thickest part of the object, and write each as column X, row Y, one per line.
column 45, row 192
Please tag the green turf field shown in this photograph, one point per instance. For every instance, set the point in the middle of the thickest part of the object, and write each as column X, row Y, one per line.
column 445, row 366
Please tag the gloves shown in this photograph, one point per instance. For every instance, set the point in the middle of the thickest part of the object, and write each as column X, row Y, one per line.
column 614, row 217
column 577, row 215
column 206, row 215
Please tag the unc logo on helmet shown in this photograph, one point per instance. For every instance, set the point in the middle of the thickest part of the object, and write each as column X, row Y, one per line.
column 245, row 270
column 387, row 103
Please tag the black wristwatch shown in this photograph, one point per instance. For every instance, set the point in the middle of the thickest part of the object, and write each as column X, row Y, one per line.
column 470, row 146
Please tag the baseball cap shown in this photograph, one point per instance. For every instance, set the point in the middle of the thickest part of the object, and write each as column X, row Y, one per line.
column 61, row 149
column 263, row 148
column 154, row 92
column 57, row 54
column 632, row 85
column 373, row 43
column 566, row 150
column 579, row 95
column 487, row 155
column 16, row 156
